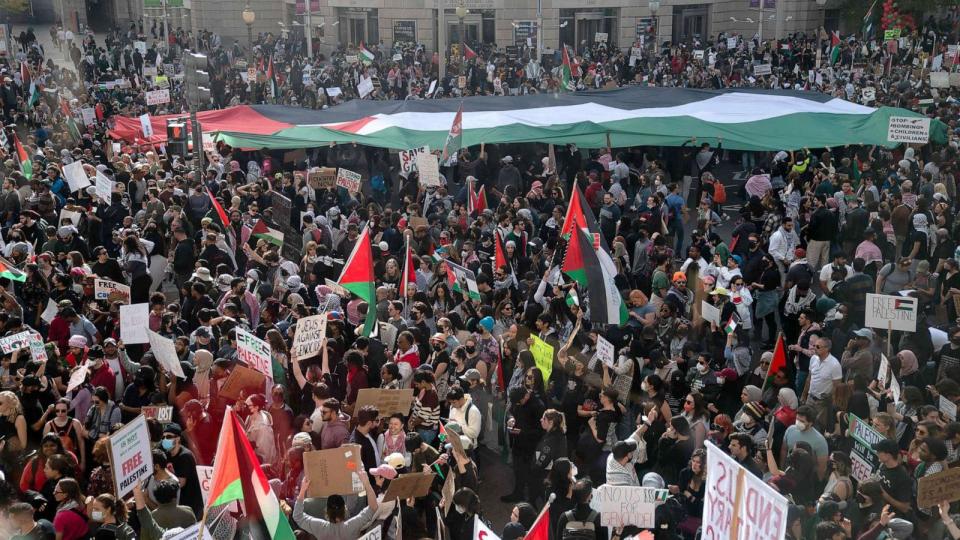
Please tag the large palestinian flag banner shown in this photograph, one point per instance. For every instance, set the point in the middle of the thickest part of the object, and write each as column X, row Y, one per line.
column 746, row 119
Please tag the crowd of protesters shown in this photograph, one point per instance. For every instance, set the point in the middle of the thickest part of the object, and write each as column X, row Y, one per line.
column 817, row 230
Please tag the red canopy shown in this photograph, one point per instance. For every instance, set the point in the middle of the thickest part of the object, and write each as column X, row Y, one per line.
column 241, row 118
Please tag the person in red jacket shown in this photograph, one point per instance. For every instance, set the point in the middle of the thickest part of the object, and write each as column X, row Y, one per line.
column 407, row 356
column 100, row 372
column 59, row 332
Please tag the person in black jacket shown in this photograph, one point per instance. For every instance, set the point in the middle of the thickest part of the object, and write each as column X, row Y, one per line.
column 525, row 430
column 367, row 418
column 552, row 446
column 582, row 516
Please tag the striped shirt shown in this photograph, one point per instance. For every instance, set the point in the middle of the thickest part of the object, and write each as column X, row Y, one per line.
column 426, row 407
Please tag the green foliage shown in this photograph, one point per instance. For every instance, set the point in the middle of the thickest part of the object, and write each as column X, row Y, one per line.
column 14, row 6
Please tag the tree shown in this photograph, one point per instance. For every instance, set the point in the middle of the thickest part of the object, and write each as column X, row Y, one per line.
column 14, row 6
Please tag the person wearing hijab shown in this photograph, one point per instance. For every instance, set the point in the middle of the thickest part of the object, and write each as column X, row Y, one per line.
column 909, row 374
column 916, row 248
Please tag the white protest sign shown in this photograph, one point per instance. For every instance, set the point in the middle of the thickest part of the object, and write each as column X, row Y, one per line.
column 205, row 474
column 620, row 506
column 732, row 42
column 408, row 158
column 130, row 455
column 50, row 312
column 37, row 348
column 759, row 511
column 192, row 532
column 149, row 71
column 939, row 79
column 158, row 97
column 140, row 46
column 309, row 336
column 376, row 533
column 709, row 312
column 104, row 289
column 884, row 369
column 145, row 126
column 365, row 88
column 762, row 69
column 698, row 54
column 104, row 187
column 70, row 216
column 948, row 408
column 166, row 353
column 908, row 129
column 334, row 91
column 429, row 169
column 349, row 180
column 89, row 115
column 75, row 175
column 135, row 323
column 605, row 351
column 255, row 352
column 15, row 342
column 77, row 377
column 895, row 388
column 891, row 311
column 869, row 94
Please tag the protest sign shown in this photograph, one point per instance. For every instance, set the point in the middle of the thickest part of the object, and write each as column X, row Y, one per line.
column 75, row 175
column 78, row 376
column 376, row 533
column 69, row 216
column 883, row 371
column 338, row 289
column 709, row 312
column 130, row 455
column 165, row 352
column 893, row 33
column 334, row 91
column 111, row 291
column 334, row 471
column 104, row 187
column 737, row 504
column 243, row 378
column 891, row 312
column 38, row 349
column 50, row 312
column 15, row 342
column 134, row 323
column 605, row 351
column 192, row 532
column 908, row 129
column 939, row 487
column 205, row 474
column 869, row 94
column 158, row 97
column 543, row 356
column 349, row 180
column 463, row 278
column 620, row 506
column 406, row 486
column 254, row 352
column 88, row 115
column 323, row 178
column 939, row 79
column 408, row 158
column 948, row 408
column 732, row 42
column 386, row 401
column 162, row 414
column 365, row 87
column 865, row 460
column 309, row 336
column 762, row 69
column 429, row 169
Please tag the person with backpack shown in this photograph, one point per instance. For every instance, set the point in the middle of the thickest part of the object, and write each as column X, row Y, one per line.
column 67, row 429
column 582, row 522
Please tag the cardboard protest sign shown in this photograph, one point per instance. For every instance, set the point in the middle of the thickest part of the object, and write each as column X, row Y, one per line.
column 130, row 455
column 254, row 352
column 737, row 504
column 891, row 311
column 322, row 178
column 15, row 342
column 348, row 180
column 134, row 323
column 163, row 414
column 605, row 351
column 620, row 506
column 111, row 291
column 78, row 376
column 408, row 158
column 942, row 486
column 335, row 471
column 864, row 459
column 406, row 486
column 543, row 356
column 243, row 378
column 429, row 169
column 165, row 352
column 309, row 336
column 205, row 474
column 386, row 401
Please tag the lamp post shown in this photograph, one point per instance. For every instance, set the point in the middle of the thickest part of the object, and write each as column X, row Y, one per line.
column 249, row 17
column 654, row 8
column 461, row 14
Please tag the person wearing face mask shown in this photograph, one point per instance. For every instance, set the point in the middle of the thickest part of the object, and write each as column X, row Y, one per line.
column 803, row 431
column 109, row 514
column 752, row 422
column 184, row 467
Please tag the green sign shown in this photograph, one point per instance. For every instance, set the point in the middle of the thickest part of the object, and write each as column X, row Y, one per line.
column 893, row 33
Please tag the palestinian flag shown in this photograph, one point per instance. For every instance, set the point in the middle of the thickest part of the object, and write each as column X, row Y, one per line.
column 409, row 273
column 357, row 277
column 457, row 274
column 477, row 202
column 500, row 253
column 540, row 530
column 26, row 166
column 271, row 79
column 221, row 213
column 238, row 476
column 778, row 362
column 468, row 53
column 365, row 55
column 454, row 136
column 442, row 434
column 11, row 272
column 566, row 72
column 260, row 230
column 867, row 26
column 731, row 325
column 70, row 120
column 580, row 216
column 591, row 267
column 572, row 298
column 834, row 47
column 34, row 97
column 25, row 77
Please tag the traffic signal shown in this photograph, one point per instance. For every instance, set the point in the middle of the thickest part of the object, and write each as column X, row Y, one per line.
column 177, row 138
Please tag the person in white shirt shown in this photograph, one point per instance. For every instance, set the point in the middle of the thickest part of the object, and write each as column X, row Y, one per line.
column 465, row 414
column 725, row 273
column 826, row 273
column 825, row 373
column 783, row 245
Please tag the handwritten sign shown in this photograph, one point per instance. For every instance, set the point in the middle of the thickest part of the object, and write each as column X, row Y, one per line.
column 891, row 311
column 948, row 408
column 243, row 379
column 162, row 414
column 349, row 180
column 908, row 129
column 865, row 460
column 762, row 69
column 165, row 352
column 334, row 471
column 38, row 349
column 158, row 97
column 254, row 352
column 620, row 506
column 737, row 504
column 205, row 474
column 543, row 356
column 309, row 336
column 104, row 187
column 408, row 158
column 75, row 175
column 104, row 289
column 134, row 323
column 15, row 342
column 942, row 486
column 130, row 455
column 386, row 401
column 429, row 169
column 605, row 351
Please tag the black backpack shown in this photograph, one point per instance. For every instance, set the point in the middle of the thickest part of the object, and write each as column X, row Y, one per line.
column 579, row 530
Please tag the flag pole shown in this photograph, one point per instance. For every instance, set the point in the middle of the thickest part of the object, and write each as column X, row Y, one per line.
column 406, row 273
column 770, row 367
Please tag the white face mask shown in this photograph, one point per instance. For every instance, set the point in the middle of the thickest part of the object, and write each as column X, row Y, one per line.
column 702, row 368
column 721, row 380
column 644, row 386
column 802, row 425
column 746, row 419
column 97, row 516
column 460, row 509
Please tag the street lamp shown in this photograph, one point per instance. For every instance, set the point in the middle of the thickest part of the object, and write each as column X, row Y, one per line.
column 654, row 8
column 249, row 17
column 461, row 14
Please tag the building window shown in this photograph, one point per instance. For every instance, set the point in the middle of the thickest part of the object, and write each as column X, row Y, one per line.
column 359, row 24
column 584, row 26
